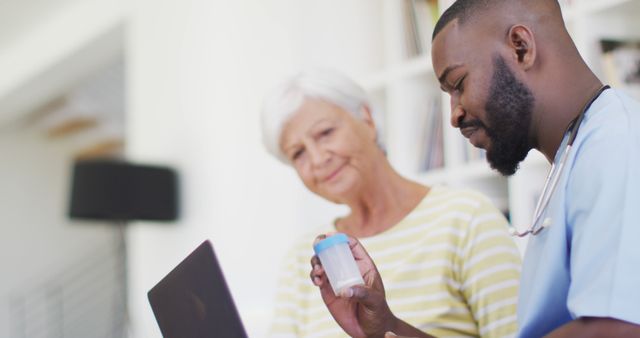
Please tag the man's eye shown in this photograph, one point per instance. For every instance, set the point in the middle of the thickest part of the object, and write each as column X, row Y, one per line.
column 459, row 86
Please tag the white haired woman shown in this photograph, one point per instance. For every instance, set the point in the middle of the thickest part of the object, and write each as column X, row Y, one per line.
column 448, row 264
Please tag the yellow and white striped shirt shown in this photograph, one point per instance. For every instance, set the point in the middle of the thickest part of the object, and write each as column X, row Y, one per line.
column 449, row 268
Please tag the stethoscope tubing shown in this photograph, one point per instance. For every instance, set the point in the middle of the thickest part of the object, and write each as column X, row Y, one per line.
column 551, row 182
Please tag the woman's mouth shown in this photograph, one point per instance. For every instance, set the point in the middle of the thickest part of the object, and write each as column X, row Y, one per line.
column 333, row 174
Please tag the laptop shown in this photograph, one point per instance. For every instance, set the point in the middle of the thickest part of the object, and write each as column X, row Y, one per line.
column 193, row 300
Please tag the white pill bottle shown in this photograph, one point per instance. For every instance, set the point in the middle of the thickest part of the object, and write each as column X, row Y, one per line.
column 338, row 262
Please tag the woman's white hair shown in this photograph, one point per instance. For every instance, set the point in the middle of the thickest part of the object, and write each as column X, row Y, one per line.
column 323, row 84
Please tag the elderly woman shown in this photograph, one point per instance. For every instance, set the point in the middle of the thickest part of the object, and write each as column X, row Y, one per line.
column 448, row 264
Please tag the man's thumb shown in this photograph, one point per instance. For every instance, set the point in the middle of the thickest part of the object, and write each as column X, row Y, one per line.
column 364, row 295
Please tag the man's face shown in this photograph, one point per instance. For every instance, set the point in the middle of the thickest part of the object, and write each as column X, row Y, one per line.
column 489, row 105
column 508, row 109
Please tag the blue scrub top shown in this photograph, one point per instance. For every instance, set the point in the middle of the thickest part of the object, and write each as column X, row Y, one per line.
column 587, row 263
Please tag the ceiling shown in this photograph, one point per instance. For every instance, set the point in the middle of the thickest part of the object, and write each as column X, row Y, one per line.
column 18, row 16
column 58, row 44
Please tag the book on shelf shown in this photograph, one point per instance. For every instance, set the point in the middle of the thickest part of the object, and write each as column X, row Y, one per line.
column 444, row 4
column 471, row 154
column 420, row 19
column 432, row 147
column 621, row 64
column 566, row 3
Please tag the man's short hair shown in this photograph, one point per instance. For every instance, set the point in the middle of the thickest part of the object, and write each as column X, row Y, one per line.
column 461, row 10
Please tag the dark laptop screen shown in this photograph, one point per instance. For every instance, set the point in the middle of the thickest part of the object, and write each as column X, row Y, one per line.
column 193, row 300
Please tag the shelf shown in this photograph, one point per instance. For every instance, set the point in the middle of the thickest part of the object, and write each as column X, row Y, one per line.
column 475, row 176
column 417, row 66
column 584, row 8
column 405, row 90
column 477, row 170
column 535, row 158
column 71, row 125
column 597, row 6
column 110, row 147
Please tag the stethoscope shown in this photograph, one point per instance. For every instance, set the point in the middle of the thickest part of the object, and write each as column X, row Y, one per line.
column 553, row 177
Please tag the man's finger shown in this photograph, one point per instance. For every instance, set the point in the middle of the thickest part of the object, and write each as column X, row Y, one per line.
column 359, row 252
column 393, row 335
column 315, row 261
column 316, row 275
column 319, row 238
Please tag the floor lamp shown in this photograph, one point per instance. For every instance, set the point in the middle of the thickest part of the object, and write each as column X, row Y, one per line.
column 117, row 191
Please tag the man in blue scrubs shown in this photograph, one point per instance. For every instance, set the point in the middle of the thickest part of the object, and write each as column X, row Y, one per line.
column 517, row 82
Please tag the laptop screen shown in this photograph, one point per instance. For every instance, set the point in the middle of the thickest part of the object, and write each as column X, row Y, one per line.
column 193, row 300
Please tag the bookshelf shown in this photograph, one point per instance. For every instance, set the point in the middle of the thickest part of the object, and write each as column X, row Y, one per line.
column 406, row 91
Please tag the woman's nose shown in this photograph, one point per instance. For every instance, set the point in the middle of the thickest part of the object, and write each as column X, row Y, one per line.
column 318, row 156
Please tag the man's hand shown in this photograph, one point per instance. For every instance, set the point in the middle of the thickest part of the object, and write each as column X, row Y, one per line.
column 588, row 327
column 393, row 335
column 361, row 311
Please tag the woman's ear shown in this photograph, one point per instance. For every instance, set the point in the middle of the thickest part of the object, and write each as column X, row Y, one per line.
column 367, row 117
column 522, row 45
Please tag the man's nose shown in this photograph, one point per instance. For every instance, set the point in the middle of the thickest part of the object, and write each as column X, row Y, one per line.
column 457, row 113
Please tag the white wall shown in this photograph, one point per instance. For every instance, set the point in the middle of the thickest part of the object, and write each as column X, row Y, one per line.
column 53, row 48
column 45, row 49
column 198, row 73
column 37, row 240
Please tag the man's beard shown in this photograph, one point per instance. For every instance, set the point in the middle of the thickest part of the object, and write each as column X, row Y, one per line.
column 509, row 109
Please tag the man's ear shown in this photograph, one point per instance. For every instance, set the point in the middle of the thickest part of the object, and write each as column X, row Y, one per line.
column 523, row 46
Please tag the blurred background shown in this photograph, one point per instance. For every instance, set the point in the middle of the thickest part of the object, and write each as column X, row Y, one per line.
column 179, row 85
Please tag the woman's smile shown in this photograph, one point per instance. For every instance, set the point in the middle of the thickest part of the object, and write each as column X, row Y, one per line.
column 334, row 174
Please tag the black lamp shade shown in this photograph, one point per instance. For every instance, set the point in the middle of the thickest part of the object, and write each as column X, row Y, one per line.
column 115, row 190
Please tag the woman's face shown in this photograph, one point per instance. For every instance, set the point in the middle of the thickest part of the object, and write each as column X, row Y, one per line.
column 331, row 150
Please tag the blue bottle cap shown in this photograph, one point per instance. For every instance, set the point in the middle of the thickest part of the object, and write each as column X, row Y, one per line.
column 330, row 241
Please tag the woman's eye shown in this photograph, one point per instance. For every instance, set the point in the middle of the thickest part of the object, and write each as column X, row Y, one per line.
column 326, row 132
column 297, row 154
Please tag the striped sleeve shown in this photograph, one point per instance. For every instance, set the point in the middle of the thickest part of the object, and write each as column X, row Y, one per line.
column 285, row 319
column 490, row 272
